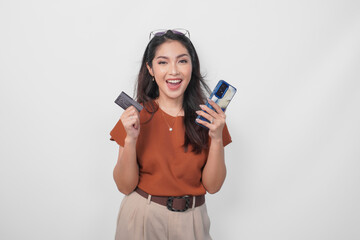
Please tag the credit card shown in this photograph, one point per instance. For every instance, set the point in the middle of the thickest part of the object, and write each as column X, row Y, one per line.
column 124, row 101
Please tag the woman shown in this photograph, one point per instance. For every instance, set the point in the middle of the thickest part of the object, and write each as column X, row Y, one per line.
column 166, row 161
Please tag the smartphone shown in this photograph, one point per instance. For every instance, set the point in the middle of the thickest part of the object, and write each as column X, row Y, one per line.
column 222, row 95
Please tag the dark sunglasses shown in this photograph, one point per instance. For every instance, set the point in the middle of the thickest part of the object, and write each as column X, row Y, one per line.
column 160, row 32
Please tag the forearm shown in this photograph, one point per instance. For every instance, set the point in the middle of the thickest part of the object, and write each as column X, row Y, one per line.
column 214, row 171
column 126, row 171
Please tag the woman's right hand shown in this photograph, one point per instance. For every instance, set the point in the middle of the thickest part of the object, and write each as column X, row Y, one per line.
column 131, row 121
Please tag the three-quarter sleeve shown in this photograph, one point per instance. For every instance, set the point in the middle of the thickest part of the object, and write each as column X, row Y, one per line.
column 118, row 133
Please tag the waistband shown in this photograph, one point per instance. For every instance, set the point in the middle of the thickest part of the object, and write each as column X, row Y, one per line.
column 175, row 204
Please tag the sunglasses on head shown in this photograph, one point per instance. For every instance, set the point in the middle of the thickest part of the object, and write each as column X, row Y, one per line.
column 161, row 32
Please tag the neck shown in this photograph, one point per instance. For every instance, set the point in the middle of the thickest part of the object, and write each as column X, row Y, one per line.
column 172, row 107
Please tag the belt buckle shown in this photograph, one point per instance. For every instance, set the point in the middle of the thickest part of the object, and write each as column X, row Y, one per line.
column 170, row 202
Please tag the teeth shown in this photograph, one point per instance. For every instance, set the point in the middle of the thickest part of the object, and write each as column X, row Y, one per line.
column 174, row 81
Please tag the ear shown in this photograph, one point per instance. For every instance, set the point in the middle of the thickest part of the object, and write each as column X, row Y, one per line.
column 149, row 69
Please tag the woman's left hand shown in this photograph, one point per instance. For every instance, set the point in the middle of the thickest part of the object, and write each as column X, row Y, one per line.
column 216, row 119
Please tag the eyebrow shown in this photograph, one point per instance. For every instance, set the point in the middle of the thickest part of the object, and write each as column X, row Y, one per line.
column 181, row 55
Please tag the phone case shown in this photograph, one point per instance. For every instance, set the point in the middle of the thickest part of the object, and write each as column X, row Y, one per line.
column 124, row 101
column 224, row 100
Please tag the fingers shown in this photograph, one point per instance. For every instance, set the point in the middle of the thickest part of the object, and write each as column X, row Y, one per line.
column 131, row 118
column 131, row 111
column 206, row 116
column 215, row 116
column 211, row 114
column 216, row 107
column 205, row 123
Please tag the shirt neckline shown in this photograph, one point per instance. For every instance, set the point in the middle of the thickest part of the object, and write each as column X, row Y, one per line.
column 167, row 113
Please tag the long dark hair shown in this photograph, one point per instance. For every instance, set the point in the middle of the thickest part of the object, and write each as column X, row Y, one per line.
column 147, row 90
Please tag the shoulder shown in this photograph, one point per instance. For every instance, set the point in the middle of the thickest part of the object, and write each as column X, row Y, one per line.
column 150, row 108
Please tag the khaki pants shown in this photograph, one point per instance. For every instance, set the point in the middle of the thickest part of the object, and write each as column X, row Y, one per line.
column 141, row 219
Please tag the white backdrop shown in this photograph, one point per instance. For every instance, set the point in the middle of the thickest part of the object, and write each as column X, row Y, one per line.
column 293, row 166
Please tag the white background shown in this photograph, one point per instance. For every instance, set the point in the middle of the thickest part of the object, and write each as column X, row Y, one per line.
column 293, row 166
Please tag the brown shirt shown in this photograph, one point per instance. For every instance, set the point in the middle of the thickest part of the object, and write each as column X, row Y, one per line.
column 164, row 168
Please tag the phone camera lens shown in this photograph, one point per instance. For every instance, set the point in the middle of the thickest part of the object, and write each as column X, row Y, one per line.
column 221, row 90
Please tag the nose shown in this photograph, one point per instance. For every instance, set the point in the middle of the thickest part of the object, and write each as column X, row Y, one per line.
column 174, row 69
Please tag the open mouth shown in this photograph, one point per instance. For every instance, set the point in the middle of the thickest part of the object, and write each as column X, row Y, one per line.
column 173, row 84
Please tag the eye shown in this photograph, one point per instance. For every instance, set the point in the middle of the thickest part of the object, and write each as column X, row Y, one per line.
column 162, row 62
column 183, row 61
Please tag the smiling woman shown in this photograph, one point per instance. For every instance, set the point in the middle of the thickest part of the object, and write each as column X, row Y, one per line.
column 167, row 162
column 171, row 69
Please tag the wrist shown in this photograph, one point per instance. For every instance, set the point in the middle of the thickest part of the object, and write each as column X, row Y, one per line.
column 130, row 140
column 217, row 140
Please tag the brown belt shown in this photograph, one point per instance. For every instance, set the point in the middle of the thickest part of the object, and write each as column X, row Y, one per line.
column 175, row 204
